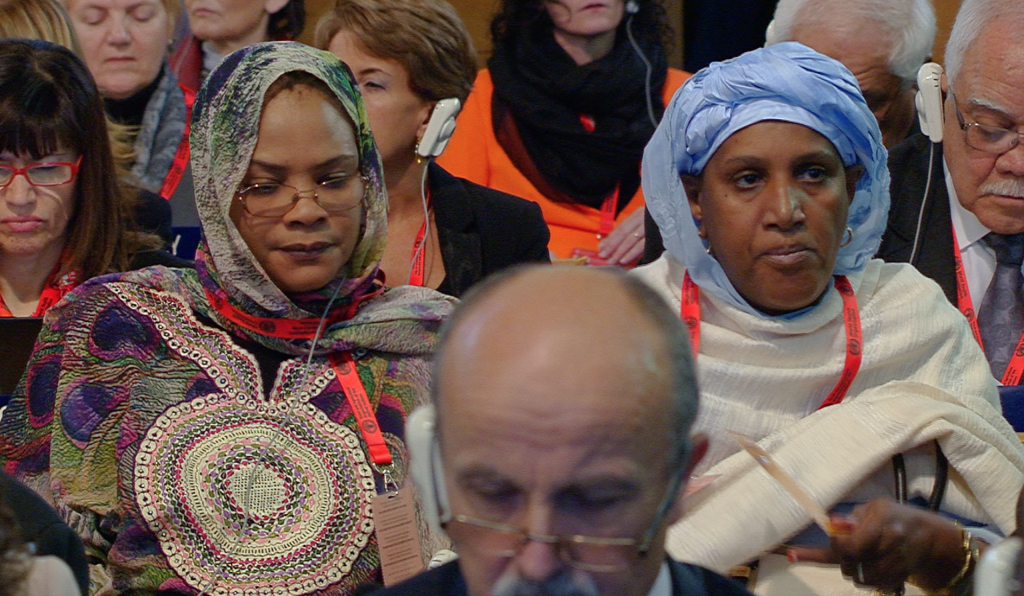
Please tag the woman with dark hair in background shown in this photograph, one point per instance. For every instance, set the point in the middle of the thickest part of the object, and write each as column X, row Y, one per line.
column 572, row 93
column 49, row 21
column 219, row 27
column 28, row 523
column 21, row 573
column 443, row 232
column 63, row 216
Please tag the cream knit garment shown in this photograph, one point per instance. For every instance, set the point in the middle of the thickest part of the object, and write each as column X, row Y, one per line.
column 922, row 378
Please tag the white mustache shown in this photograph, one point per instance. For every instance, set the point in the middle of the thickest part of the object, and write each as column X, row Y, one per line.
column 1013, row 187
column 567, row 582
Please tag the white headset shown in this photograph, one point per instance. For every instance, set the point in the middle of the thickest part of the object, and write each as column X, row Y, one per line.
column 425, row 464
column 439, row 128
column 632, row 7
column 929, row 101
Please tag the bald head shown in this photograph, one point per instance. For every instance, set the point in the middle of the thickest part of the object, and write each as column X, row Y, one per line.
column 564, row 399
column 573, row 325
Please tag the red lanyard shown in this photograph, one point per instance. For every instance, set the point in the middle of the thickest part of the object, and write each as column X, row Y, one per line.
column 276, row 327
column 690, row 313
column 1015, row 367
column 342, row 362
column 419, row 257
column 608, row 207
column 53, row 291
column 345, row 367
column 181, row 155
column 286, row 328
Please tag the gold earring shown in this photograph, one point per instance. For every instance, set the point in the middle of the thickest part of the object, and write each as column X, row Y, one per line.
column 847, row 242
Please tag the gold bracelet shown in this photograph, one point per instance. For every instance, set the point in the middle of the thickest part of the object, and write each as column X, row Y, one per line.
column 971, row 556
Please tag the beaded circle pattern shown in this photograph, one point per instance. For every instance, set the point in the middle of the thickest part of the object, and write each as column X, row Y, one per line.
column 249, row 499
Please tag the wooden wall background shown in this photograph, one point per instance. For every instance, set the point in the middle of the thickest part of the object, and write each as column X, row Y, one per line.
column 477, row 15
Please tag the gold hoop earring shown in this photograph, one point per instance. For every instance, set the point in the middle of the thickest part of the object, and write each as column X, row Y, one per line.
column 847, row 242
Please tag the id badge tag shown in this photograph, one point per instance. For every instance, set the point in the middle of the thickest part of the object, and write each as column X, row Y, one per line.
column 398, row 537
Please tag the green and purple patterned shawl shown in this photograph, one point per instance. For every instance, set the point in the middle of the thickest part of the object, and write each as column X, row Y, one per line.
column 225, row 127
column 151, row 430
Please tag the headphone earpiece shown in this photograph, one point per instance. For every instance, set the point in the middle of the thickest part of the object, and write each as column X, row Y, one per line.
column 632, row 7
column 425, row 464
column 439, row 128
column 929, row 101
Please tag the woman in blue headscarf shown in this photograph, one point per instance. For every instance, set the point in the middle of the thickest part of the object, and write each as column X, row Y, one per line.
column 767, row 178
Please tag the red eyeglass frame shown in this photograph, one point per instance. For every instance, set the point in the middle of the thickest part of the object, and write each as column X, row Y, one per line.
column 24, row 172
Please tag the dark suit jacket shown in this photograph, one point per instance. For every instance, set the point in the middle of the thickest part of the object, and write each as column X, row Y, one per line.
column 908, row 168
column 41, row 525
column 482, row 230
column 446, row 580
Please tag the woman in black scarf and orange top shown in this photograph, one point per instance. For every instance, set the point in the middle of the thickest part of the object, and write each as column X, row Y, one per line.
column 572, row 93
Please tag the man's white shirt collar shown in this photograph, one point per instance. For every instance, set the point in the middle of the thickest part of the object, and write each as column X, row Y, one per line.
column 966, row 226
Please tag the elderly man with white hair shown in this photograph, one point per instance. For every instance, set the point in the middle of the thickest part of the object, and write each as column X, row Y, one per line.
column 958, row 202
column 882, row 42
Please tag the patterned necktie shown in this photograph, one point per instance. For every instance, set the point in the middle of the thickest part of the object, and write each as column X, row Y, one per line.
column 1001, row 318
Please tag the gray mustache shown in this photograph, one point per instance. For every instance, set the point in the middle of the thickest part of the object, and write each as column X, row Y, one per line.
column 567, row 582
column 1011, row 188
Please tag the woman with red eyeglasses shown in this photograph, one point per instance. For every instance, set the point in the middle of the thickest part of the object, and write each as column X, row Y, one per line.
column 63, row 216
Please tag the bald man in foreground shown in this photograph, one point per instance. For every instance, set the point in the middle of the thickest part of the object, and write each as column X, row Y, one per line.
column 561, row 447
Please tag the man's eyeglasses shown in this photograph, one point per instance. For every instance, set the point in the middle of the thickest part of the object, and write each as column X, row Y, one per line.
column 335, row 195
column 41, row 174
column 985, row 137
column 588, row 553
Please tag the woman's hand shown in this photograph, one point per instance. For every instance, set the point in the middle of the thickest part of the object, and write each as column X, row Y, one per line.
column 883, row 543
column 624, row 245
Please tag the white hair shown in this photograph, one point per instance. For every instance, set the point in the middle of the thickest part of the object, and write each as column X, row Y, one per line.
column 909, row 23
column 970, row 20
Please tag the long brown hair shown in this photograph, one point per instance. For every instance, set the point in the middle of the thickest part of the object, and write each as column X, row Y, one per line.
column 49, row 103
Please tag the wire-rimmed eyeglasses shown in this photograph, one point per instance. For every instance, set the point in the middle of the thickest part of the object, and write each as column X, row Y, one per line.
column 336, row 195
column 985, row 137
column 588, row 553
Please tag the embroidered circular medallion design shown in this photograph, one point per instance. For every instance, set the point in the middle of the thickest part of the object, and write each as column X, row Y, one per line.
column 247, row 499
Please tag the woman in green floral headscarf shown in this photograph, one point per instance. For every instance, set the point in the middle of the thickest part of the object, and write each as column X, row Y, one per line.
column 192, row 425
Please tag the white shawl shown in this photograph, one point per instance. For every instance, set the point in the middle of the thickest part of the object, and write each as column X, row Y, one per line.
column 922, row 378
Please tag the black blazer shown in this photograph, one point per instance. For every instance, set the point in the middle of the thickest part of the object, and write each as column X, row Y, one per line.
column 446, row 580
column 482, row 230
column 908, row 169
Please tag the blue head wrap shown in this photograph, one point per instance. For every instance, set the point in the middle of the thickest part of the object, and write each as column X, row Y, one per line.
column 787, row 82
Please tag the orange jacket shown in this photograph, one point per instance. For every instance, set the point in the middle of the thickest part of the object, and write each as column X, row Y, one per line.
column 475, row 154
